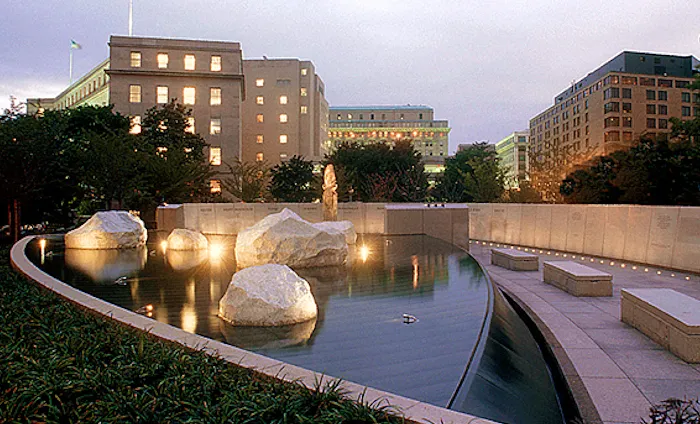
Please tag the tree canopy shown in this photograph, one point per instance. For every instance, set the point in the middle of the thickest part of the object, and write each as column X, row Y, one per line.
column 294, row 181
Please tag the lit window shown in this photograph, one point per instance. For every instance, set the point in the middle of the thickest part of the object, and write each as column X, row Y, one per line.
column 259, row 82
column 259, row 157
column 215, row 126
column 283, row 100
column 284, row 118
column 189, row 62
column 304, row 71
column 162, row 59
column 214, row 96
column 215, row 186
column 188, row 94
column 134, row 94
column 190, row 125
column 283, row 138
column 215, row 156
column 161, row 94
column 135, row 59
column 304, row 92
column 135, row 125
column 215, row 64
column 304, row 110
column 260, row 118
column 283, row 156
column 260, row 100
column 259, row 138
column 349, row 116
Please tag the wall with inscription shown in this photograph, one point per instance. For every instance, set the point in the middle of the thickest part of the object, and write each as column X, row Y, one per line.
column 667, row 236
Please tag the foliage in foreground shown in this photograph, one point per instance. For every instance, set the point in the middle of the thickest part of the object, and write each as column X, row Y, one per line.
column 60, row 364
column 675, row 411
column 472, row 175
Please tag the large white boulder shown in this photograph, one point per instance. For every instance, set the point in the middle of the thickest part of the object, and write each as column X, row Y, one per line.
column 346, row 228
column 108, row 230
column 285, row 238
column 182, row 239
column 267, row 295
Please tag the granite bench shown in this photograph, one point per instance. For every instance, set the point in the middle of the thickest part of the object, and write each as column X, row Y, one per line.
column 515, row 260
column 666, row 316
column 577, row 279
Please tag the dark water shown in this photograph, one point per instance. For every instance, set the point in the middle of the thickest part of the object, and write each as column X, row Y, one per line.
column 359, row 334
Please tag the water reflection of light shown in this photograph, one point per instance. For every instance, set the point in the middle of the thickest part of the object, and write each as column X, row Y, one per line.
column 42, row 246
column 364, row 253
column 414, row 262
column 164, row 246
column 216, row 251
column 188, row 318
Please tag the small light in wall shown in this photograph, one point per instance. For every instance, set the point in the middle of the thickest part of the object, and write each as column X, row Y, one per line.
column 602, row 261
column 612, row 263
column 518, row 248
column 526, row 249
column 549, row 253
column 564, row 255
column 541, row 251
column 583, row 258
column 556, row 254
column 634, row 267
column 646, row 269
column 149, row 308
column 592, row 260
column 622, row 265
column 658, row 272
column 687, row 278
column 490, row 244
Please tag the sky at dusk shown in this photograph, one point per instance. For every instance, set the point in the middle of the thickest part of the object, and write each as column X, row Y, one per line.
column 486, row 66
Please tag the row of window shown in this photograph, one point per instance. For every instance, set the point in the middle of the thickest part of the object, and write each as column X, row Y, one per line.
column 189, row 95
column 303, row 91
column 214, row 125
column 283, row 118
column 371, row 116
column 283, row 138
column 189, row 61
column 646, row 81
column 374, row 134
column 84, row 91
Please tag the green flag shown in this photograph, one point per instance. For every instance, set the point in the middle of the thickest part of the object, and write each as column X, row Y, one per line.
column 74, row 45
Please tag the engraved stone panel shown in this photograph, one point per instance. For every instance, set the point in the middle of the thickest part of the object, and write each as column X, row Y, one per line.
column 528, row 224
column 437, row 222
column 354, row 212
column 207, row 218
column 312, row 212
column 615, row 230
column 498, row 223
column 543, row 225
column 191, row 212
column 576, row 225
column 513, row 217
column 687, row 247
column 244, row 216
column 373, row 218
column 480, row 221
column 662, row 236
column 226, row 222
column 559, row 226
column 595, row 230
column 637, row 234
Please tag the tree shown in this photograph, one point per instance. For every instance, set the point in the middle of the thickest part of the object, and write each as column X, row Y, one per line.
column 472, row 175
column 247, row 181
column 524, row 193
column 294, row 181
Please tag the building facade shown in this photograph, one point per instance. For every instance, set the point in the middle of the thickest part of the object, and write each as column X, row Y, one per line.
column 373, row 124
column 285, row 112
column 513, row 154
column 632, row 95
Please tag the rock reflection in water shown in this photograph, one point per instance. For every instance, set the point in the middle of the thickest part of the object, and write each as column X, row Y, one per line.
column 261, row 338
column 184, row 260
column 106, row 265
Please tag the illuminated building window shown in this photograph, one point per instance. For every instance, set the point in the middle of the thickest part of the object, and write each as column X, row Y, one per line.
column 215, row 65
column 284, row 118
column 190, row 125
column 162, row 60
column 161, row 94
column 214, row 96
column 215, row 156
column 188, row 95
column 260, row 100
column 612, row 136
column 135, row 59
column 259, row 82
column 135, row 125
column 134, row 94
column 283, row 138
column 304, row 71
column 304, row 110
column 259, row 138
column 215, row 186
column 215, row 126
column 627, row 122
column 304, row 92
column 283, row 156
column 259, row 118
column 259, row 157
column 283, row 100
column 189, row 62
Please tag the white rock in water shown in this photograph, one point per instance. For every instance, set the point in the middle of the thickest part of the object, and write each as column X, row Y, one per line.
column 344, row 227
column 267, row 295
column 182, row 239
column 108, row 230
column 285, row 238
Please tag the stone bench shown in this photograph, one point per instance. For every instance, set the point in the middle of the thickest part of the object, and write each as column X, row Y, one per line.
column 577, row 279
column 515, row 260
column 668, row 317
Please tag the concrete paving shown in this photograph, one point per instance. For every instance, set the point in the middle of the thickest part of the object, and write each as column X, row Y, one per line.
column 623, row 371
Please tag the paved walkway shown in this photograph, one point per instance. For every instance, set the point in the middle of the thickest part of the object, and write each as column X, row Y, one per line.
column 623, row 371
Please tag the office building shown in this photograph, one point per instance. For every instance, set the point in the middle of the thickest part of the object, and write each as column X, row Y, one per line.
column 513, row 155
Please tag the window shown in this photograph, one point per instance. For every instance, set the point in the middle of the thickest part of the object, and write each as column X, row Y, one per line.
column 259, row 139
column 627, row 122
column 162, row 60
column 215, row 65
column 189, row 62
column 629, row 80
column 651, row 123
column 259, row 118
column 304, row 92
column 627, row 107
column 283, row 82
column 215, row 156
column 682, row 84
column 663, row 123
column 259, row 157
column 188, row 95
column 610, row 93
column 304, row 71
column 284, row 118
column 135, row 59
column 349, row 116
column 304, row 110
column 613, row 121
column 647, row 81
column 685, row 97
column 134, row 94
column 612, row 107
column 651, row 95
column 215, row 186
column 651, row 109
column 283, row 156
column 663, row 109
column 283, row 100
column 135, row 125
column 260, row 82
column 214, row 96
column 161, row 94
column 665, row 83
column 190, row 125
column 259, row 100
column 371, row 116
column 627, row 136
column 626, row 93
column 215, row 126
column 283, row 138
column 663, row 95
column 685, row 111
column 612, row 136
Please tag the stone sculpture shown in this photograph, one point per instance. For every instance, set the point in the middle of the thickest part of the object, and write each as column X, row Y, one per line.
column 108, row 230
column 182, row 239
column 330, row 194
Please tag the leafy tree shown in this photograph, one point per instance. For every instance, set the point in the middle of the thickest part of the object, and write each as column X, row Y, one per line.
column 525, row 193
column 294, row 181
column 247, row 181
column 472, row 175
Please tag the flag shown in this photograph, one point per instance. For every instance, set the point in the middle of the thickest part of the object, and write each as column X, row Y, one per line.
column 74, row 45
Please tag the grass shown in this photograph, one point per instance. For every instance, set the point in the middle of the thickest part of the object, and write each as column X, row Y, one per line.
column 60, row 364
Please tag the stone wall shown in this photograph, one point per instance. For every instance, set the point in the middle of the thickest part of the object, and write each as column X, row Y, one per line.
column 667, row 236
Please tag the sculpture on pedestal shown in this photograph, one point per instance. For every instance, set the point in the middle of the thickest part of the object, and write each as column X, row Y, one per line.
column 330, row 194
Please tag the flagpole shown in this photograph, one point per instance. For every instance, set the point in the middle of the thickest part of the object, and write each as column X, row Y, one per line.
column 131, row 18
column 70, row 72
